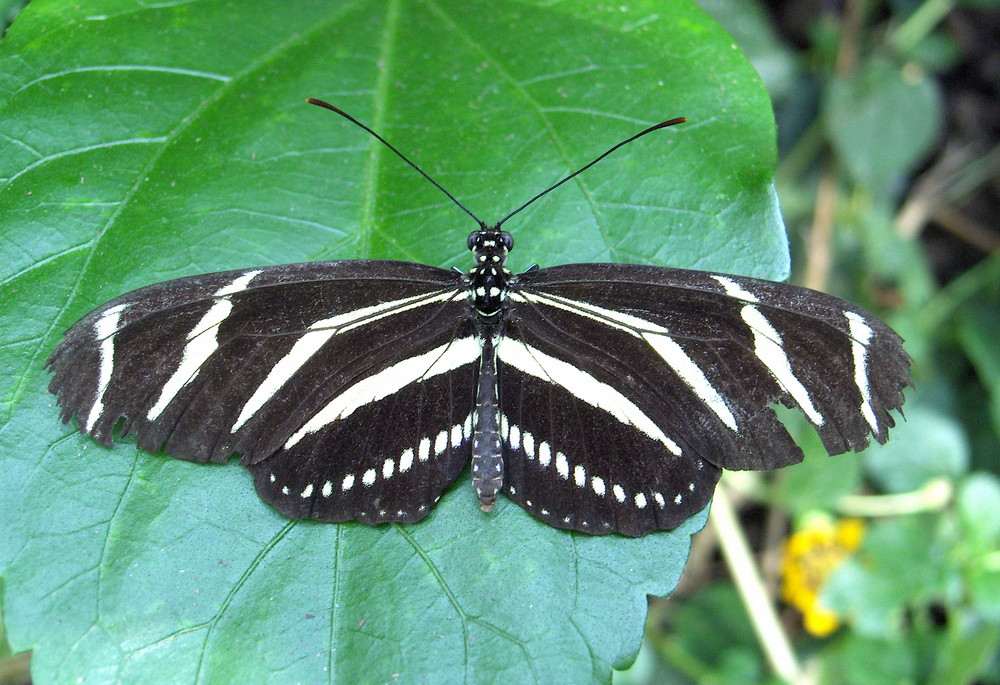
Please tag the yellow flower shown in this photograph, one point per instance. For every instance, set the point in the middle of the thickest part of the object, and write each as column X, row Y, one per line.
column 811, row 555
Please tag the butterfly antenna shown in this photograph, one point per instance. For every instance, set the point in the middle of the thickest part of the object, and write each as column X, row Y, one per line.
column 327, row 105
column 640, row 134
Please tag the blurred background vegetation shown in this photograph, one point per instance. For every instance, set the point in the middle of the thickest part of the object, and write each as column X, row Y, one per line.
column 884, row 566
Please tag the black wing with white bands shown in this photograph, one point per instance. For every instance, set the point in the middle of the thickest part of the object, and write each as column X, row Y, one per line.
column 333, row 380
column 599, row 397
column 625, row 388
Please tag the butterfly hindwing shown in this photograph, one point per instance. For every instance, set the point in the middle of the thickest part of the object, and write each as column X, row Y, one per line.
column 576, row 460
column 376, row 455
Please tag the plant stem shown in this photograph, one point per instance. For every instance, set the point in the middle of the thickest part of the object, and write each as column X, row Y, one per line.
column 932, row 496
column 743, row 570
column 919, row 24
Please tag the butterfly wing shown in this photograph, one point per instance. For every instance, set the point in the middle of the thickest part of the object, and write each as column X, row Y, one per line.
column 326, row 377
column 650, row 379
column 624, row 389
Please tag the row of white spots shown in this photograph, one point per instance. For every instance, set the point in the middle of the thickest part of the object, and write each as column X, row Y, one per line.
column 769, row 350
column 202, row 342
column 656, row 337
column 313, row 341
column 519, row 439
column 426, row 449
column 582, row 386
column 105, row 329
column 389, row 380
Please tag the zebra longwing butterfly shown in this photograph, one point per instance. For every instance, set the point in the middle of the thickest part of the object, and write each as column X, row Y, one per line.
column 599, row 397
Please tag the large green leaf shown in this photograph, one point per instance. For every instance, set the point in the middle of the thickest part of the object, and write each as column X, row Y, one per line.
column 145, row 141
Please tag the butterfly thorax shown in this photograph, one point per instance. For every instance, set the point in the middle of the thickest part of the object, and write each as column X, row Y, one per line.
column 488, row 279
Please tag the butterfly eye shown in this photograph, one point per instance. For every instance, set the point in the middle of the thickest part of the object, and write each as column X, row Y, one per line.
column 507, row 240
column 473, row 239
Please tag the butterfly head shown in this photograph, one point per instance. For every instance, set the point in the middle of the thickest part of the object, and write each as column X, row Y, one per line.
column 490, row 245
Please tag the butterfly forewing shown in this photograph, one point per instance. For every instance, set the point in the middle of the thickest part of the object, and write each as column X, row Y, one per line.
column 704, row 355
column 357, row 363
column 649, row 370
